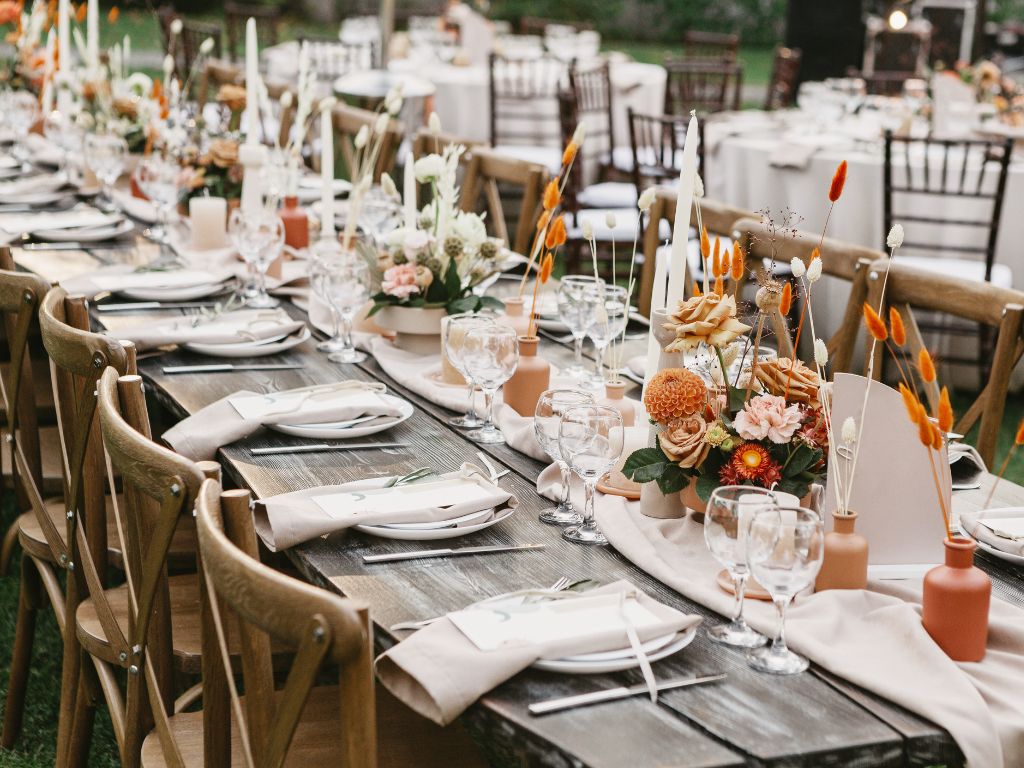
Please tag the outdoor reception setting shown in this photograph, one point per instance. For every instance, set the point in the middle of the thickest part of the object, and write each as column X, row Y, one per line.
column 512, row 383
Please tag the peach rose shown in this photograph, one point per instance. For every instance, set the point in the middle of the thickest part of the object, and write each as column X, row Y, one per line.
column 683, row 441
column 232, row 96
column 224, row 153
column 708, row 318
column 400, row 281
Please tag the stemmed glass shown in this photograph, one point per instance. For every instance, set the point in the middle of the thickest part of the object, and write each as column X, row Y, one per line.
column 346, row 287
column 21, row 110
column 454, row 329
column 726, row 525
column 608, row 315
column 378, row 209
column 546, row 419
column 259, row 237
column 159, row 178
column 784, row 549
column 322, row 251
column 105, row 154
column 63, row 132
column 574, row 312
column 590, row 437
column 490, row 355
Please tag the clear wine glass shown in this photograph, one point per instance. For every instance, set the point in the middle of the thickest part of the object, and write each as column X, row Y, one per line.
column 377, row 211
column 21, row 110
column 726, row 525
column 63, row 132
column 454, row 329
column 322, row 251
column 546, row 418
column 490, row 355
column 259, row 237
column 159, row 178
column 590, row 437
column 346, row 286
column 105, row 154
column 575, row 313
column 608, row 316
column 784, row 549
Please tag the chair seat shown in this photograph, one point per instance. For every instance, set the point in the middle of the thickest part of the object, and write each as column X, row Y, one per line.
column 50, row 455
column 30, row 535
column 623, row 232
column 549, row 157
column 962, row 269
column 404, row 739
column 608, row 194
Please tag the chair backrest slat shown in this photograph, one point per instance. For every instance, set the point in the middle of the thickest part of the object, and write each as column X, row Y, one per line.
column 785, row 72
column 716, row 46
column 520, row 89
column 707, row 86
column 347, row 122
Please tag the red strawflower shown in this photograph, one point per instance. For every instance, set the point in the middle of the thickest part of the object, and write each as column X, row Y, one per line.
column 751, row 462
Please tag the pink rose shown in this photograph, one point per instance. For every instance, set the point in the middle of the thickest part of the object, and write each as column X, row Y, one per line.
column 766, row 416
column 400, row 281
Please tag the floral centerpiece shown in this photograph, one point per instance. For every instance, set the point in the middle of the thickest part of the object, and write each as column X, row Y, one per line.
column 27, row 69
column 991, row 86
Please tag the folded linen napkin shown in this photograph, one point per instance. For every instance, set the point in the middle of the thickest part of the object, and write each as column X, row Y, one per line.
column 79, row 216
column 791, row 154
column 232, row 327
column 124, row 277
column 292, row 518
column 966, row 467
column 1002, row 529
column 443, row 668
column 239, row 415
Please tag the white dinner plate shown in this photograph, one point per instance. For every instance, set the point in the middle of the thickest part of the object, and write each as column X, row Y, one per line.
column 470, row 519
column 311, row 189
column 34, row 199
column 433, row 534
column 582, row 666
column 984, row 545
column 86, row 234
column 186, row 293
column 261, row 348
column 329, row 432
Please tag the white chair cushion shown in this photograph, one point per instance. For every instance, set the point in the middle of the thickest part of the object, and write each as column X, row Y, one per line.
column 608, row 194
column 962, row 269
column 549, row 157
column 624, row 230
column 622, row 158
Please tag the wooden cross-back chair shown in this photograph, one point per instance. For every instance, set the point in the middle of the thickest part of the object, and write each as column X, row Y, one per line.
column 352, row 723
column 910, row 290
column 716, row 46
column 347, row 122
column 487, row 170
column 149, row 627
column 842, row 261
column 590, row 93
column 718, row 219
column 707, row 86
column 425, row 143
column 782, row 85
column 217, row 73
column 268, row 25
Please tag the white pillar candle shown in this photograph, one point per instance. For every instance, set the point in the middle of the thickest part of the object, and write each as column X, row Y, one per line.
column 126, row 54
column 208, row 217
column 327, row 173
column 409, row 194
column 92, row 34
column 252, row 73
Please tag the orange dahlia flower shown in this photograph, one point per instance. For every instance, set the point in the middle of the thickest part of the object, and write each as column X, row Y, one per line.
column 674, row 393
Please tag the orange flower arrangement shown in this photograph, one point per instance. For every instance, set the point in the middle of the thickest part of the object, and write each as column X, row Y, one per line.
column 674, row 393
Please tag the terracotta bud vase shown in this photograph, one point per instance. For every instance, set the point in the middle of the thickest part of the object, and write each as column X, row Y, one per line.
column 514, row 317
column 654, row 503
column 296, row 223
column 955, row 603
column 532, row 377
column 614, row 397
column 846, row 556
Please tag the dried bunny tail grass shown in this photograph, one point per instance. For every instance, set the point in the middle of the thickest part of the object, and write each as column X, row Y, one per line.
column 936, row 437
column 945, row 411
column 909, row 402
column 835, row 190
column 1019, row 439
column 875, row 324
column 924, row 432
column 552, row 197
column 925, row 366
column 705, row 244
column 815, row 254
column 716, row 258
column 786, row 303
column 739, row 262
column 696, row 288
column 899, row 330
column 719, row 286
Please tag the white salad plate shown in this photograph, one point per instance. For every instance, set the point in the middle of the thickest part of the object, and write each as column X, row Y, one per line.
column 86, row 234
column 433, row 534
column 337, row 430
column 261, row 348
column 620, row 660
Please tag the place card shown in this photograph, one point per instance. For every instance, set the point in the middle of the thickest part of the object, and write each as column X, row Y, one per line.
column 1006, row 527
column 405, row 498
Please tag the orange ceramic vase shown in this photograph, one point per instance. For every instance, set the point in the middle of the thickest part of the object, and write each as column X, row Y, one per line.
column 514, row 317
column 532, row 377
column 614, row 398
column 846, row 556
column 296, row 224
column 955, row 603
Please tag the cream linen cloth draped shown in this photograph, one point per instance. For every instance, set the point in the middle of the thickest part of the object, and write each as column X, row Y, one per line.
column 873, row 638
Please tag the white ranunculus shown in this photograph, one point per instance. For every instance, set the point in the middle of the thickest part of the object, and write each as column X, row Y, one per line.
column 814, row 271
column 647, row 199
column 895, row 238
column 471, row 229
column 139, row 84
column 396, row 237
column 428, row 168
column 798, row 267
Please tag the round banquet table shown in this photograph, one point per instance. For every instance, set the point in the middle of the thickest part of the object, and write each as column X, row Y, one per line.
column 377, row 83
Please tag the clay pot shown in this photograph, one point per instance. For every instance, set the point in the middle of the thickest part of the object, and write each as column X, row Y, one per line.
column 614, row 397
column 654, row 503
column 846, row 556
column 955, row 603
column 693, row 501
column 532, row 377
column 296, row 224
column 514, row 317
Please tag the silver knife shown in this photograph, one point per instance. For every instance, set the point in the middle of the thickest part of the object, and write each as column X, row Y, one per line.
column 138, row 306
column 425, row 553
column 613, row 694
column 225, row 367
column 318, row 447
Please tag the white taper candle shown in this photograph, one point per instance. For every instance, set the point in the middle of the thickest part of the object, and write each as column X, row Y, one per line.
column 327, row 173
column 252, row 73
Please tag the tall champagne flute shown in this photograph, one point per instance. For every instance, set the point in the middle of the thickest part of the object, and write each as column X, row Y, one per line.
column 608, row 317
column 574, row 312
column 726, row 524
column 454, row 329
column 490, row 354
column 546, row 419
column 590, row 437
column 784, row 548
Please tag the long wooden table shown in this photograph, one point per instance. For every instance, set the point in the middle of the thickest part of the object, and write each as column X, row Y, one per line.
column 811, row 719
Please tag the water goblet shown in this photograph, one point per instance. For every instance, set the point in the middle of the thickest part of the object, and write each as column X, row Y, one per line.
column 346, row 286
column 259, row 237
column 105, row 154
column 726, row 525
column 573, row 311
column 608, row 316
column 324, row 249
column 590, row 438
column 377, row 211
column 159, row 178
column 490, row 355
column 63, row 132
column 784, row 548
column 454, row 329
column 546, row 418
column 21, row 110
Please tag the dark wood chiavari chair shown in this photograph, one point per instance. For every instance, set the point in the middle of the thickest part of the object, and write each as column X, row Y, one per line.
column 193, row 33
column 331, row 58
column 996, row 308
column 716, row 46
column 782, row 85
column 657, row 146
column 347, row 122
column 536, row 25
column 704, row 85
column 971, row 172
column 268, row 25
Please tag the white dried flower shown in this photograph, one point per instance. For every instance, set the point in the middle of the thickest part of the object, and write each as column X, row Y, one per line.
column 361, row 136
column 286, row 100
column 176, row 26
column 588, row 230
column 820, row 353
column 578, row 135
column 387, row 184
column 849, row 431
column 328, row 103
column 814, row 271
column 364, row 184
column 393, row 101
column 206, row 46
column 168, row 65
column 647, row 199
column 383, row 120
column 798, row 267
column 434, row 123
column 698, row 186
column 609, row 220
column 895, row 238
